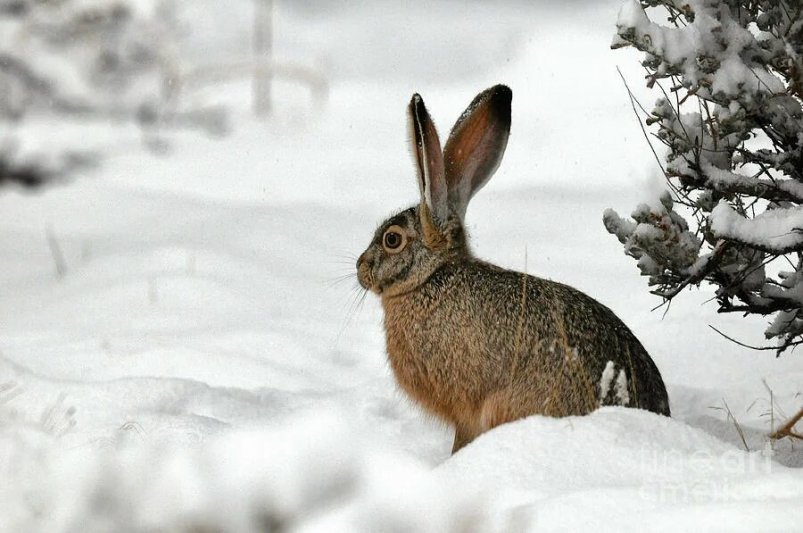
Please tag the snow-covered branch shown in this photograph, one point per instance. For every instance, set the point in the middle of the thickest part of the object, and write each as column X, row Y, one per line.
column 777, row 231
column 732, row 122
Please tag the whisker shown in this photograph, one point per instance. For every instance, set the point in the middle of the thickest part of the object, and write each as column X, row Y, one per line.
column 343, row 261
column 338, row 280
column 346, row 256
column 362, row 300
column 358, row 294
column 345, row 269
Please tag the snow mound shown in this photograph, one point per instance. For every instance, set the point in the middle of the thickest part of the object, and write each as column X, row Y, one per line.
column 318, row 472
column 624, row 469
column 615, row 469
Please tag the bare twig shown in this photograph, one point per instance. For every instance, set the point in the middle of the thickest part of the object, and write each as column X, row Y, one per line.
column 633, row 101
column 55, row 251
column 777, row 349
column 787, row 430
column 736, row 425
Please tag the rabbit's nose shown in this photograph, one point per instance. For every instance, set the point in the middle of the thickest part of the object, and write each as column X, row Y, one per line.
column 364, row 265
column 364, row 260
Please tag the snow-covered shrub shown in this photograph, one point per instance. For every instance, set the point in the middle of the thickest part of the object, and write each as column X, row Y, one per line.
column 81, row 55
column 78, row 60
column 730, row 76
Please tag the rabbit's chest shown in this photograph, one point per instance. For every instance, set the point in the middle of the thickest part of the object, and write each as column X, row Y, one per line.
column 425, row 363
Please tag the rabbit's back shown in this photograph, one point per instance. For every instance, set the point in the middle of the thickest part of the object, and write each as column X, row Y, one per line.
column 478, row 340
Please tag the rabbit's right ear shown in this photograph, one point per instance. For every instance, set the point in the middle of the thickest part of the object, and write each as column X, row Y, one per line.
column 429, row 164
column 476, row 145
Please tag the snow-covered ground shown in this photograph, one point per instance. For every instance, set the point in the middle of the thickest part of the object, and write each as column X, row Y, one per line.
column 204, row 365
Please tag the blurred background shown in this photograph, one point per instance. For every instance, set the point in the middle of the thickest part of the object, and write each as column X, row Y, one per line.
column 87, row 81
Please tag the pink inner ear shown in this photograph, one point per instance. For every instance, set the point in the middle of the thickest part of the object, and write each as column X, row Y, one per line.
column 429, row 159
column 476, row 145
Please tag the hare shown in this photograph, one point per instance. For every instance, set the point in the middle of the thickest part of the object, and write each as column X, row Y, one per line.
column 475, row 344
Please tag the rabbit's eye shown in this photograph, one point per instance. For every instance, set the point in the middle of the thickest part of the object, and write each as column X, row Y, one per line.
column 394, row 239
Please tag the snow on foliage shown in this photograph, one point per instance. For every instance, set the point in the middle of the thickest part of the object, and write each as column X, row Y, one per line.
column 730, row 116
column 85, row 60
column 81, row 56
column 658, row 237
column 775, row 230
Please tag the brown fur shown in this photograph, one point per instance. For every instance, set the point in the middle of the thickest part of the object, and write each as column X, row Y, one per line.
column 456, row 347
column 478, row 345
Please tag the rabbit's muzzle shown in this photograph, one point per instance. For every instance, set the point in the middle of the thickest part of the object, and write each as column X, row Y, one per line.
column 365, row 265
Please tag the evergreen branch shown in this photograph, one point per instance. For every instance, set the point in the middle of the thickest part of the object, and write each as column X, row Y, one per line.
column 741, row 146
column 710, row 265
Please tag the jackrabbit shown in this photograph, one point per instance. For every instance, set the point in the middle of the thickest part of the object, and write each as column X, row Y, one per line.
column 473, row 343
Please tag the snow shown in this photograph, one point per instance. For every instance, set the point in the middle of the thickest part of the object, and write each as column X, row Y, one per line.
column 774, row 229
column 202, row 366
column 673, row 43
column 605, row 380
column 724, row 180
column 666, row 472
column 718, row 46
column 622, row 393
column 619, row 385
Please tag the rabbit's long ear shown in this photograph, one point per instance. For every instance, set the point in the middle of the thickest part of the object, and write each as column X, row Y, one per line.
column 476, row 145
column 429, row 162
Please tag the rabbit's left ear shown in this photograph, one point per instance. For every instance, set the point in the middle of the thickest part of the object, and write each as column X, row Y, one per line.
column 476, row 145
column 429, row 163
